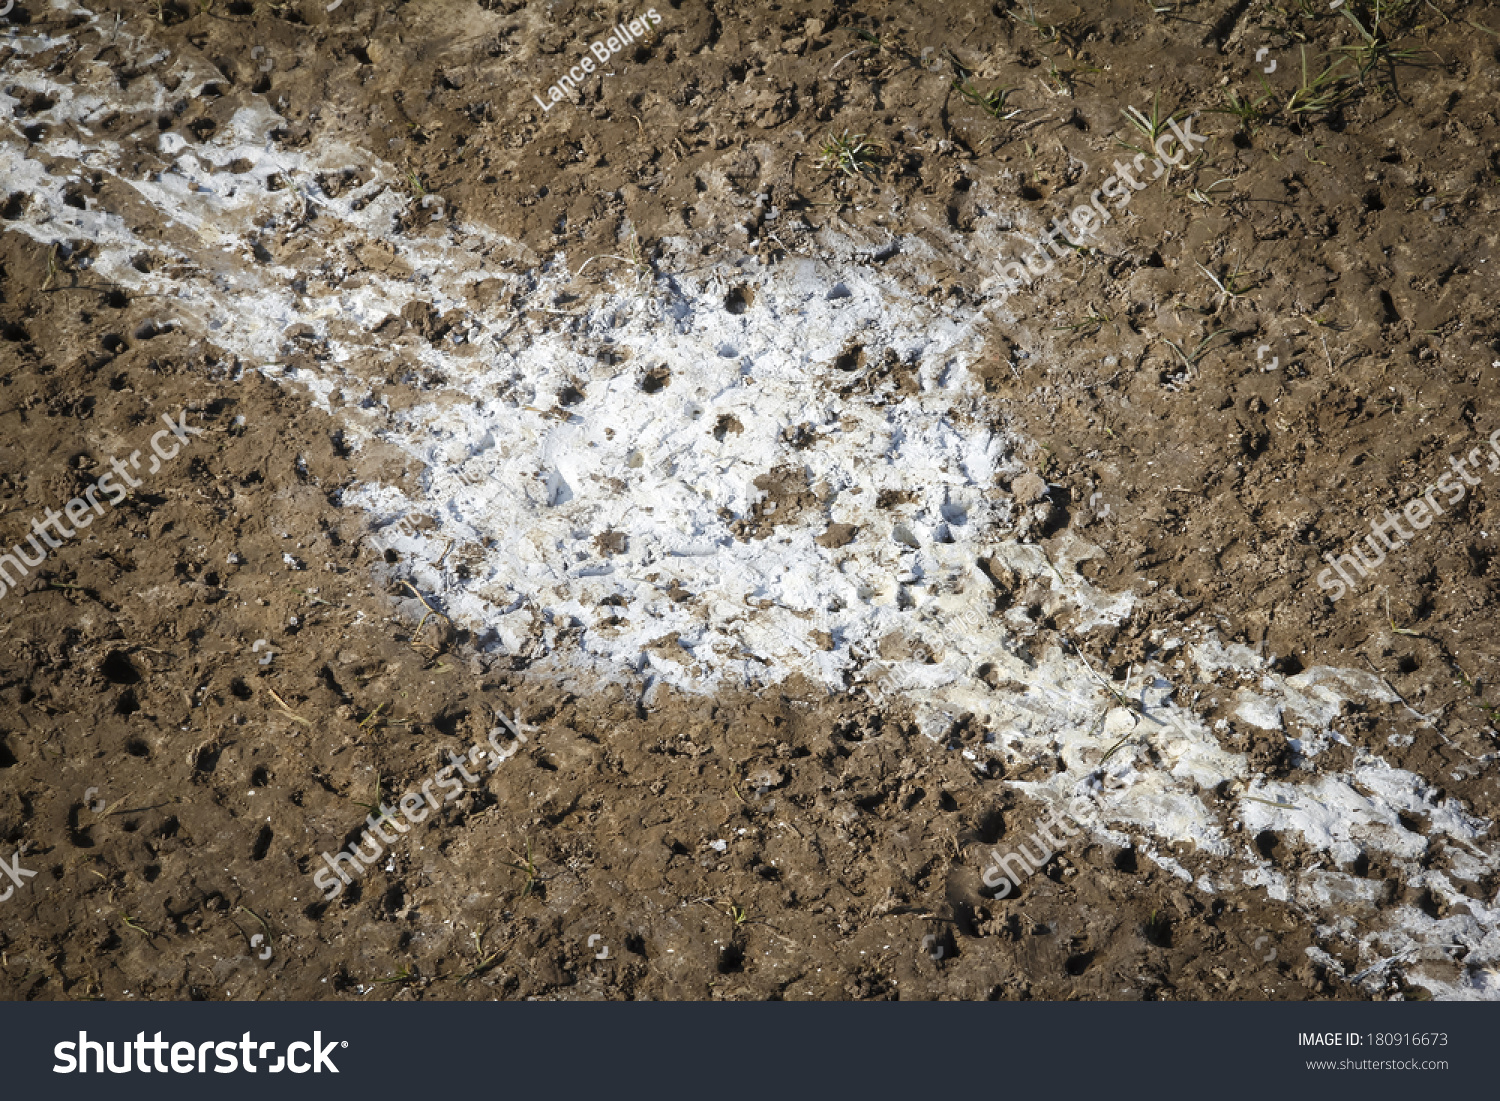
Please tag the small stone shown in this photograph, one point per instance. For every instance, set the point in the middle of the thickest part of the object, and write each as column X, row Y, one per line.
column 765, row 778
column 1028, row 488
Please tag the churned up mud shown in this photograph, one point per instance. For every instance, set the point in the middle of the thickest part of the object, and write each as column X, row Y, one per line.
column 809, row 501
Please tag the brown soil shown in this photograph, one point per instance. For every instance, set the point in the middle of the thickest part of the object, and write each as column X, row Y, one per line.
column 854, row 846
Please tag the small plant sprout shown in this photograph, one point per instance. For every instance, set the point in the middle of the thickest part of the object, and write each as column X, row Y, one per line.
column 1119, row 694
column 406, row 975
column 635, row 257
column 850, row 154
column 1249, row 112
column 1065, row 81
column 1476, row 689
column 526, row 867
column 1087, row 327
column 881, row 44
column 1316, row 94
column 1047, row 32
column 994, row 104
column 1152, row 126
column 1229, row 287
column 374, row 806
column 485, row 962
column 51, row 267
column 1059, row 81
column 132, row 923
column 1391, row 620
column 1374, row 46
column 1114, row 748
column 1190, row 359
column 1205, row 195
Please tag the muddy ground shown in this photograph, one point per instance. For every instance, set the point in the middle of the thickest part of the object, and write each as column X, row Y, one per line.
column 173, row 790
